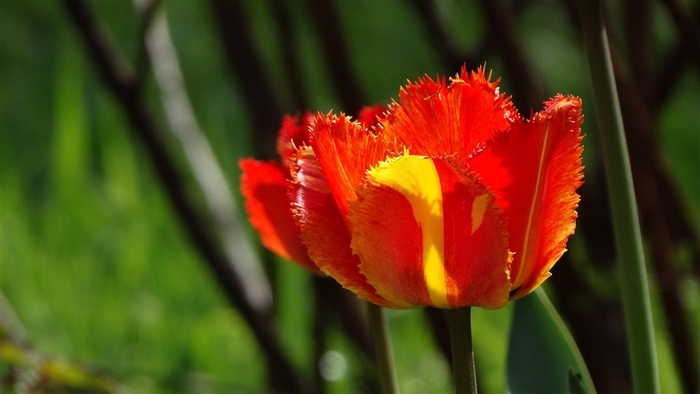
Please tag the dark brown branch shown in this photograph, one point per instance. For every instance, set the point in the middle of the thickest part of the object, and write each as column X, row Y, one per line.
column 116, row 73
column 446, row 49
column 671, row 72
column 638, row 37
column 440, row 330
column 336, row 55
column 263, row 105
column 688, row 29
column 347, row 309
column 142, row 63
column 319, row 330
column 339, row 306
column 287, row 37
column 668, row 77
column 527, row 90
column 120, row 82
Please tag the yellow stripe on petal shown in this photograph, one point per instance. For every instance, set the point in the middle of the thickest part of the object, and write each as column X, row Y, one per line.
column 416, row 178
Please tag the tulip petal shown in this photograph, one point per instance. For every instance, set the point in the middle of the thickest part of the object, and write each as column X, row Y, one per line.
column 369, row 116
column 535, row 170
column 433, row 119
column 429, row 234
column 345, row 151
column 293, row 134
column 264, row 187
column 323, row 228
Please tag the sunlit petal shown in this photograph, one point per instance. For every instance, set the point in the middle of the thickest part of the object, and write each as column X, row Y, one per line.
column 264, row 187
column 345, row 151
column 434, row 119
column 323, row 228
column 429, row 234
column 535, row 170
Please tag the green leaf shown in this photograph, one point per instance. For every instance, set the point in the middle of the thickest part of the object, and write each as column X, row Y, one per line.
column 576, row 383
column 542, row 355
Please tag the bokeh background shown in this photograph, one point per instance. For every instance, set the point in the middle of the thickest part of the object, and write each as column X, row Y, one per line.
column 106, row 285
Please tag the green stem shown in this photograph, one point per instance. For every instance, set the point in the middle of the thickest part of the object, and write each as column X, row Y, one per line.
column 463, row 368
column 379, row 329
column 628, row 238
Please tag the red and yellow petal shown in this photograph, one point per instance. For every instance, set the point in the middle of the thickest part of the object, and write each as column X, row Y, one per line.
column 264, row 187
column 434, row 119
column 345, row 151
column 428, row 234
column 535, row 170
column 323, row 228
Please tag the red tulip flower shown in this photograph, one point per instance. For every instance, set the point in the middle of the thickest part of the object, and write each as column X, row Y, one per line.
column 449, row 199
column 264, row 187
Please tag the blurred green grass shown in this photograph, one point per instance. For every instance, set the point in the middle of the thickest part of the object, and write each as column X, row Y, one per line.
column 98, row 268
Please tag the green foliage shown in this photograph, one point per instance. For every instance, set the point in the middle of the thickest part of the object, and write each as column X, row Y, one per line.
column 542, row 355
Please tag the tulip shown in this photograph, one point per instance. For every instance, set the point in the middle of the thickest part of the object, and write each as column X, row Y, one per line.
column 448, row 198
column 264, row 188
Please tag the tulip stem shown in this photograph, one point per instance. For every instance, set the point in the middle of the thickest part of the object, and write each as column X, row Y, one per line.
column 384, row 357
column 628, row 238
column 459, row 321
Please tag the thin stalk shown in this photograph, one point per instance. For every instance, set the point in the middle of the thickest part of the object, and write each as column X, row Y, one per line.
column 379, row 329
column 464, row 371
column 628, row 238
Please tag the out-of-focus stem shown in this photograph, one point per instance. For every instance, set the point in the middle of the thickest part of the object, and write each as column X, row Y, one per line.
column 628, row 238
column 379, row 329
